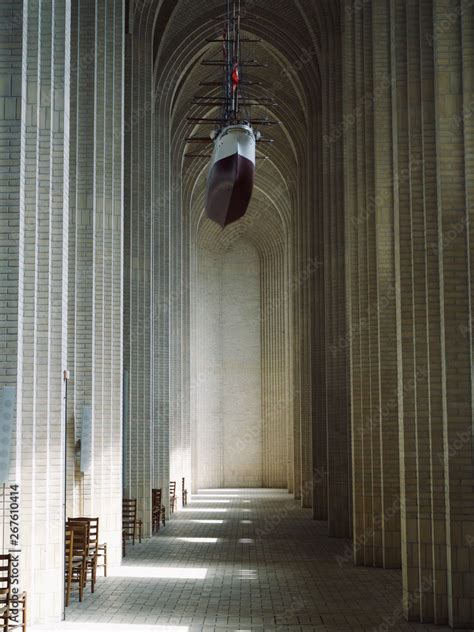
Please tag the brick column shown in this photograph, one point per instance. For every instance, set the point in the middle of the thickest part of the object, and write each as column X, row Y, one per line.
column 42, row 287
column 453, row 22
column 385, row 415
column 96, row 263
column 370, row 279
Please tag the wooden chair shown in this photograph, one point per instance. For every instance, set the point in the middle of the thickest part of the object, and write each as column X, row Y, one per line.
column 158, row 510
column 4, row 617
column 68, row 554
column 80, row 553
column 100, row 549
column 5, row 589
column 93, row 550
column 130, row 522
column 102, row 557
column 173, row 497
column 184, row 492
column 13, row 607
column 19, row 605
column 129, row 518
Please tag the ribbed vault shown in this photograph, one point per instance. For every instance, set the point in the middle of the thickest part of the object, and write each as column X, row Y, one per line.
column 290, row 76
column 299, row 49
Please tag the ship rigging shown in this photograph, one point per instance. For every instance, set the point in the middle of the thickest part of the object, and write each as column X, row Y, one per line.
column 231, row 174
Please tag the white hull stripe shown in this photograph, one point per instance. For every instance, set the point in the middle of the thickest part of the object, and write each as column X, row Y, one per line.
column 234, row 140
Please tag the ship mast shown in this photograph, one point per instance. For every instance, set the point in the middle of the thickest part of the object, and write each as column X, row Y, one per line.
column 235, row 79
column 231, row 100
column 232, row 44
column 227, row 65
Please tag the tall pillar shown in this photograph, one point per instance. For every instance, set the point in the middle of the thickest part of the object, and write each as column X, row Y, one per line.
column 359, row 181
column 140, row 448
column 452, row 35
column 385, row 416
column 336, row 416
column 34, row 212
column 434, row 354
column 161, row 294
column 413, row 178
column 351, row 341
column 410, row 272
column 11, row 221
column 108, row 273
column 371, row 297
column 318, row 338
column 96, row 267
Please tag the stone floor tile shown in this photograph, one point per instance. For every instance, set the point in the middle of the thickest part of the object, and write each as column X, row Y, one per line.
column 264, row 567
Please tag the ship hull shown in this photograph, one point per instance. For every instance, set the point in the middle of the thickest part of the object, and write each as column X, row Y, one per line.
column 231, row 175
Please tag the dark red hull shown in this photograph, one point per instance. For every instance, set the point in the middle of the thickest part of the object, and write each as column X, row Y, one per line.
column 229, row 189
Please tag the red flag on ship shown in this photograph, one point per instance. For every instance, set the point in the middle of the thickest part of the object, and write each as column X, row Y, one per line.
column 235, row 77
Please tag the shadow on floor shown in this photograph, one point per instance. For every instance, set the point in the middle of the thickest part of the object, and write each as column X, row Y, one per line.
column 242, row 560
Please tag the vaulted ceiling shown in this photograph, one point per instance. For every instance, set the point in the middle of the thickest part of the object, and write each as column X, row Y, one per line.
column 293, row 37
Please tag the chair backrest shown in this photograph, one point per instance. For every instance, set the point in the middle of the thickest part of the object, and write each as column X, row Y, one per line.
column 5, row 579
column 129, row 509
column 172, row 488
column 93, row 530
column 183, row 485
column 156, row 497
column 68, row 547
column 129, row 517
column 80, row 529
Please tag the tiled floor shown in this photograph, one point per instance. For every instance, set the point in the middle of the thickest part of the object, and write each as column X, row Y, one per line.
column 239, row 560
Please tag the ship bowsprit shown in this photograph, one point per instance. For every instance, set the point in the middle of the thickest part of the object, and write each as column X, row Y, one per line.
column 231, row 175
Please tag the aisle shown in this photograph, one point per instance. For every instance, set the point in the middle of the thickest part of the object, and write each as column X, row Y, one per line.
column 242, row 560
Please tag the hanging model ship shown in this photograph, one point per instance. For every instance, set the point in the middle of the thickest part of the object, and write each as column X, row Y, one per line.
column 231, row 175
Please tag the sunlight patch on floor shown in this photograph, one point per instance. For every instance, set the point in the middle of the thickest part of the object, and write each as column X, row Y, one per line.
column 159, row 572
column 216, row 496
column 223, row 490
column 80, row 626
column 203, row 510
column 209, row 500
column 205, row 521
column 199, row 540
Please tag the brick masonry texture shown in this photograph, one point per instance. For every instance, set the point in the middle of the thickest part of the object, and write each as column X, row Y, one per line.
column 323, row 345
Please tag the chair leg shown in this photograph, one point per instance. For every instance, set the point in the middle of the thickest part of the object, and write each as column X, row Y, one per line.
column 68, row 589
column 105, row 560
column 24, row 612
column 93, row 573
column 96, row 559
column 81, row 583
